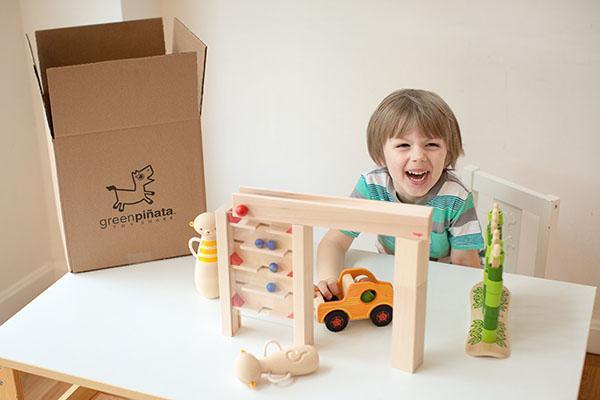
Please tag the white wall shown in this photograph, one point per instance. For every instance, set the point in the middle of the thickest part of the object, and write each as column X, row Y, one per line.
column 42, row 14
column 30, row 241
column 290, row 87
column 140, row 9
column 26, row 265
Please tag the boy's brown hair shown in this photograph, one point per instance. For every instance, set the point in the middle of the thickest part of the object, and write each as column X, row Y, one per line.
column 407, row 109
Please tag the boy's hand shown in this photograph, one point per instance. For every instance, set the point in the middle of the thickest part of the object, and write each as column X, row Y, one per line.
column 330, row 259
column 468, row 258
column 329, row 288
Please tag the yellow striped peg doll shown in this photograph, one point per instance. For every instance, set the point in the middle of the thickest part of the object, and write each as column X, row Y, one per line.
column 206, row 274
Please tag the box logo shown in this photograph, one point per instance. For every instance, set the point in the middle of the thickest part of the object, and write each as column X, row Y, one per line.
column 138, row 194
column 127, row 197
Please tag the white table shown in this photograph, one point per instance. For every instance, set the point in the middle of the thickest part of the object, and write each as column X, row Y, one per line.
column 142, row 331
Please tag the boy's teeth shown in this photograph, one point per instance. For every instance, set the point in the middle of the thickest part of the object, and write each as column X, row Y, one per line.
column 417, row 176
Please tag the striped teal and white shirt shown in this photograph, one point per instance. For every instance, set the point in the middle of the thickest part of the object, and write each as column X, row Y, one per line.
column 454, row 225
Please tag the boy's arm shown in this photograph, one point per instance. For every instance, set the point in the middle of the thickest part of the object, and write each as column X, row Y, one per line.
column 469, row 258
column 465, row 235
column 331, row 254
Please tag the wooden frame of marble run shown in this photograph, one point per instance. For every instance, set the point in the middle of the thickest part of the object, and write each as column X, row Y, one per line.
column 286, row 220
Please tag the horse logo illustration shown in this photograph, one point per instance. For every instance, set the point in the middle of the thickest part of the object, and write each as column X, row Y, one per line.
column 127, row 197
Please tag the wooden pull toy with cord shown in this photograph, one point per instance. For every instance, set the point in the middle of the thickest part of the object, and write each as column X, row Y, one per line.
column 279, row 366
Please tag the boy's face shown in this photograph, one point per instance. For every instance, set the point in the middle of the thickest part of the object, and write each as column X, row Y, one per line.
column 415, row 163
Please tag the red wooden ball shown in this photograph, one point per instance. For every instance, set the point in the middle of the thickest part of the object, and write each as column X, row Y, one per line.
column 241, row 210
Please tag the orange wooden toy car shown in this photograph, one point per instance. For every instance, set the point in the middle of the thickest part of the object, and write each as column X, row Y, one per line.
column 363, row 296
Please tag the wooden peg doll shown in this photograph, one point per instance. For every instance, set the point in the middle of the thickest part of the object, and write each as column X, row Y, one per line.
column 206, row 275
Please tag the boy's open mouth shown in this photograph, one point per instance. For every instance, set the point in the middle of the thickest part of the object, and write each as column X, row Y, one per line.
column 417, row 176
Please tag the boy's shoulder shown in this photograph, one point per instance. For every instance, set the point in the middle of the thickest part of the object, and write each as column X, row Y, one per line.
column 377, row 176
column 375, row 184
column 451, row 185
column 452, row 195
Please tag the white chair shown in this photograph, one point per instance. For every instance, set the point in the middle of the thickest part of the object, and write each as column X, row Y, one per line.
column 527, row 214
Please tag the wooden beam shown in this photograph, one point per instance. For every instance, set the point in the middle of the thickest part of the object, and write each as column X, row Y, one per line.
column 333, row 200
column 410, row 300
column 76, row 392
column 230, row 318
column 302, row 267
column 10, row 384
column 400, row 220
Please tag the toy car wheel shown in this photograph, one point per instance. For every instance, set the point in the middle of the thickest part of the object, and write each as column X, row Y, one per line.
column 381, row 315
column 336, row 321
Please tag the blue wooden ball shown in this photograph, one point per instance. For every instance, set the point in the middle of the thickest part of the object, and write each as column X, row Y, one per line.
column 273, row 267
column 259, row 243
column 272, row 245
column 271, row 287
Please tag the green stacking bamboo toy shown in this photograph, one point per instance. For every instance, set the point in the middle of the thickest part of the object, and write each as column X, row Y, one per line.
column 489, row 299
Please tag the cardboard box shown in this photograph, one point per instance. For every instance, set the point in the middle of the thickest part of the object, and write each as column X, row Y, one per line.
column 125, row 125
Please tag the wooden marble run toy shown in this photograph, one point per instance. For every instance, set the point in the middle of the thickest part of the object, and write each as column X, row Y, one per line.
column 206, row 274
column 488, row 333
column 278, row 367
column 363, row 297
column 277, row 279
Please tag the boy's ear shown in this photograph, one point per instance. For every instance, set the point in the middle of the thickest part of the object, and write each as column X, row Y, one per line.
column 448, row 162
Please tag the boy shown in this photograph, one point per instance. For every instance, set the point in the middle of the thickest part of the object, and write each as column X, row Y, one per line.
column 415, row 140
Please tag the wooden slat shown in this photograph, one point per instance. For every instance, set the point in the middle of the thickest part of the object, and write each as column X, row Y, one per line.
column 76, row 392
column 10, row 384
column 333, row 200
column 410, row 300
column 230, row 319
column 302, row 266
column 40, row 388
column 352, row 214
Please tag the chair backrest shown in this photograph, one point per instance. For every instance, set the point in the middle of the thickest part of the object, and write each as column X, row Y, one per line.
column 521, row 207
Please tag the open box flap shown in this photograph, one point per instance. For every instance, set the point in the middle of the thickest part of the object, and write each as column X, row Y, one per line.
column 103, row 42
column 184, row 40
column 123, row 94
column 93, row 43
column 39, row 82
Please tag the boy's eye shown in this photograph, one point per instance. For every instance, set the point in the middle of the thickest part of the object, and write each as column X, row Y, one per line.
column 433, row 145
column 403, row 145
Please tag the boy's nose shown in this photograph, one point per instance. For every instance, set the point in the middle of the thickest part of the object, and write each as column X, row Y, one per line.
column 417, row 154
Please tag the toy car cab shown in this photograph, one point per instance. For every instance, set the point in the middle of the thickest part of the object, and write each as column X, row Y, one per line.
column 362, row 297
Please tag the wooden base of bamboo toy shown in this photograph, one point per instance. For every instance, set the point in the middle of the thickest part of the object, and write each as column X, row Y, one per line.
column 475, row 346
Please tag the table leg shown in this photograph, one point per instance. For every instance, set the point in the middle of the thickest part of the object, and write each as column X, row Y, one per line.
column 10, row 384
